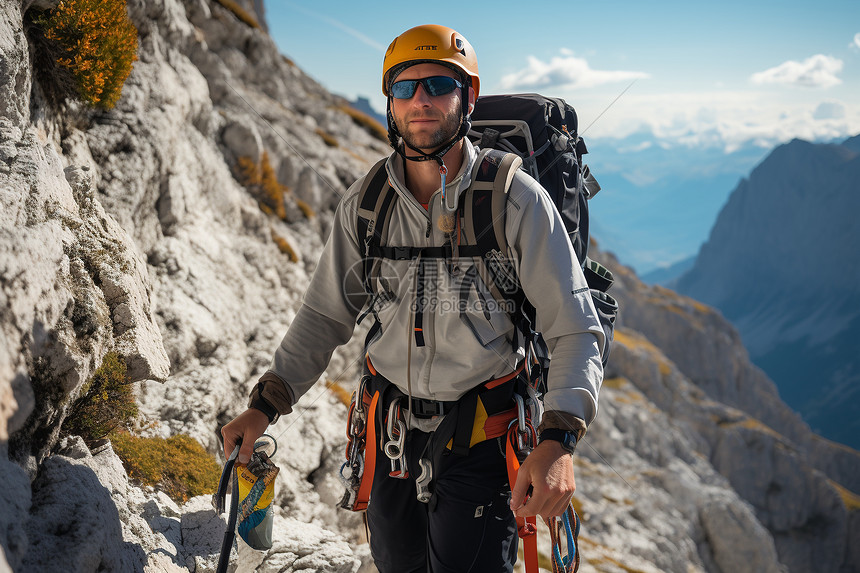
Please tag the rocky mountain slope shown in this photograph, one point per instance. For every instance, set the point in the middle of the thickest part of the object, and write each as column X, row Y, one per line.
column 135, row 231
column 782, row 264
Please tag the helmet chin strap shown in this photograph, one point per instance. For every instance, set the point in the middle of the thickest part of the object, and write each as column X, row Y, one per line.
column 398, row 142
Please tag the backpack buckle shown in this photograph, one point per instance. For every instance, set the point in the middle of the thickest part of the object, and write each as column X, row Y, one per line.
column 402, row 253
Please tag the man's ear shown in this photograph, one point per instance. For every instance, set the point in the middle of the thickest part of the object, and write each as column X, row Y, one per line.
column 471, row 99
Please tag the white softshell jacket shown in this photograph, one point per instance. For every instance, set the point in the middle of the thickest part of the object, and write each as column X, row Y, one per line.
column 466, row 337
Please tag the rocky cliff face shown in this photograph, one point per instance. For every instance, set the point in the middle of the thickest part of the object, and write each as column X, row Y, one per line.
column 798, row 484
column 781, row 263
column 129, row 231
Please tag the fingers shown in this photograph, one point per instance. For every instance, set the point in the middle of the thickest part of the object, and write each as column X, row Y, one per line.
column 559, row 508
column 245, row 451
column 246, row 427
column 543, row 502
column 519, row 492
column 230, row 439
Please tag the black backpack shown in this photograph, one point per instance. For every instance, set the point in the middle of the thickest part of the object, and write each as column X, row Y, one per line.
column 543, row 132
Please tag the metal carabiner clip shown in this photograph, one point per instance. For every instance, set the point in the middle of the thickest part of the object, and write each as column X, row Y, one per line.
column 394, row 447
column 525, row 429
column 422, row 484
column 535, row 406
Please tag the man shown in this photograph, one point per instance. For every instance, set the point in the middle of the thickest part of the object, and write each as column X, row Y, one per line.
column 432, row 349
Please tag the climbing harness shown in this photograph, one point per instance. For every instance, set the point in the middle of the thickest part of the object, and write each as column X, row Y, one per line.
column 509, row 407
column 253, row 490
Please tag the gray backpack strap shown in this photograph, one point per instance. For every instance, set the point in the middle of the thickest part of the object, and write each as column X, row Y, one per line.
column 483, row 213
column 492, row 175
column 375, row 199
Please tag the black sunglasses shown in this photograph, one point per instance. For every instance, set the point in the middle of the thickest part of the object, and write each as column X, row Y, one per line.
column 434, row 86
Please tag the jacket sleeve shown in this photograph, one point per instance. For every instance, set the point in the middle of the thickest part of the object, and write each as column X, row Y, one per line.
column 552, row 280
column 325, row 320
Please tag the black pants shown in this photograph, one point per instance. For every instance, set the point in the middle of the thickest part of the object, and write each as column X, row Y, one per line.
column 468, row 526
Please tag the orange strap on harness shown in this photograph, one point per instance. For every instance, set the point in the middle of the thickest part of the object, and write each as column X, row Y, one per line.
column 526, row 527
column 370, row 457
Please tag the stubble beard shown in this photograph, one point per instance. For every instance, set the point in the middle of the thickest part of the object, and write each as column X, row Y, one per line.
column 430, row 141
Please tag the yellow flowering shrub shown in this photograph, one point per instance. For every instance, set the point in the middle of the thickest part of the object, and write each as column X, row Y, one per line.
column 240, row 13
column 261, row 181
column 285, row 247
column 96, row 42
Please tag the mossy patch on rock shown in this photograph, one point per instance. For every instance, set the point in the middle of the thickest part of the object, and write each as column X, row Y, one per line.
column 179, row 466
column 106, row 402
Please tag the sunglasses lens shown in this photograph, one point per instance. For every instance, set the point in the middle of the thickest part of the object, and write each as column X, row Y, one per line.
column 404, row 89
column 439, row 85
column 434, row 86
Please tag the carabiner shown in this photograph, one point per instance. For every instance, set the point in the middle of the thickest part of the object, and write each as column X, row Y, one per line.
column 394, row 447
column 422, row 484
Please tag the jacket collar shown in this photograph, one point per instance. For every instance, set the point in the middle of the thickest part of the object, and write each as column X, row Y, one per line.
column 454, row 187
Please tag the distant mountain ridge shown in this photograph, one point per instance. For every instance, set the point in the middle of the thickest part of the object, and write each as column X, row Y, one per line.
column 782, row 264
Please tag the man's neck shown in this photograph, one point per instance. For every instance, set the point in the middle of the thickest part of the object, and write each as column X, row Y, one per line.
column 423, row 177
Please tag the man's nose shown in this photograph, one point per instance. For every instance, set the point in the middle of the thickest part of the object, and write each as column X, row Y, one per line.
column 420, row 97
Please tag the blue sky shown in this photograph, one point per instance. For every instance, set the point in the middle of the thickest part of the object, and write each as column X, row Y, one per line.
column 708, row 79
column 716, row 73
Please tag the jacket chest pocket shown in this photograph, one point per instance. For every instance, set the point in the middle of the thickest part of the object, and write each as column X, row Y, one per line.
column 487, row 317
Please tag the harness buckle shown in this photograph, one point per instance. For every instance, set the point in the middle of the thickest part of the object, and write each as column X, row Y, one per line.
column 422, row 408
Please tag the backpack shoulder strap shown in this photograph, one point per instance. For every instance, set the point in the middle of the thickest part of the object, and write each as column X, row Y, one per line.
column 373, row 207
column 374, row 202
column 483, row 214
column 484, row 203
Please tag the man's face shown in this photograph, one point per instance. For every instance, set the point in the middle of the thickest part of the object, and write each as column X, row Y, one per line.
column 425, row 121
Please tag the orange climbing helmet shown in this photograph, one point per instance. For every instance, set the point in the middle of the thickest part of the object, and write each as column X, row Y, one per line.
column 430, row 43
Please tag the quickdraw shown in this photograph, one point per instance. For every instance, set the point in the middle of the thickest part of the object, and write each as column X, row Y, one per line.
column 520, row 440
column 361, row 430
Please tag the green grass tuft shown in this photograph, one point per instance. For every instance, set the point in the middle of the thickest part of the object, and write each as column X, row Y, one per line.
column 106, row 402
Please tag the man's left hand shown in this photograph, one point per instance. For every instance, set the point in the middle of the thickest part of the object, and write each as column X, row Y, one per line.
column 548, row 469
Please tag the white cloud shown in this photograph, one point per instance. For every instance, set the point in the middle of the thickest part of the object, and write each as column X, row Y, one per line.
column 829, row 110
column 856, row 42
column 566, row 71
column 637, row 147
column 818, row 71
column 727, row 120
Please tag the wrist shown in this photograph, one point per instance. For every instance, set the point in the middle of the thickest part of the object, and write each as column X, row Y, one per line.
column 565, row 439
column 257, row 402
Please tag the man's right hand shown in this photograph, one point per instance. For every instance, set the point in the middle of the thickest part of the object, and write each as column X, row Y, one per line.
column 247, row 426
